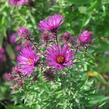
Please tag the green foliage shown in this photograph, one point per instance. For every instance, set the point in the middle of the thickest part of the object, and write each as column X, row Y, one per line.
column 72, row 88
column 76, row 90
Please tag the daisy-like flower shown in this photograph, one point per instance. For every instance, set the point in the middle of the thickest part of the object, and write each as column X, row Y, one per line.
column 18, row 2
column 52, row 23
column 59, row 57
column 27, row 60
column 85, row 37
column 23, row 32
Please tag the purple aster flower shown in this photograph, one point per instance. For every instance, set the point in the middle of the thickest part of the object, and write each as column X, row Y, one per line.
column 85, row 37
column 2, row 55
column 52, row 23
column 18, row 2
column 59, row 57
column 23, row 32
column 27, row 60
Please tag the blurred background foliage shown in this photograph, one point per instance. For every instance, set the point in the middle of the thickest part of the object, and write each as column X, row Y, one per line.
column 79, row 15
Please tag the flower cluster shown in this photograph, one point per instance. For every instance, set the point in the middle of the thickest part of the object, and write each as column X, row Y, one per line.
column 57, row 55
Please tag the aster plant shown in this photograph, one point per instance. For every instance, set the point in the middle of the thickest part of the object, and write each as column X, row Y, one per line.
column 52, row 74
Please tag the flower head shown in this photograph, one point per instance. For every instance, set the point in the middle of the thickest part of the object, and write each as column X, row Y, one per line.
column 18, row 2
column 52, row 23
column 27, row 60
column 59, row 57
column 85, row 37
column 12, row 38
column 23, row 32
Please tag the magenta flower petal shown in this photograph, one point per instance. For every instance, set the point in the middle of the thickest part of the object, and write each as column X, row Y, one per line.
column 59, row 57
column 18, row 2
column 52, row 23
column 27, row 60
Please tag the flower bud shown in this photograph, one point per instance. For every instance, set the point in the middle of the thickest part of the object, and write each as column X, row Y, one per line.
column 67, row 37
column 11, row 36
column 85, row 37
column 2, row 55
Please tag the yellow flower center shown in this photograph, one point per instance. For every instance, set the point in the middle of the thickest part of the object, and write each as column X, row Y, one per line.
column 30, row 61
column 60, row 59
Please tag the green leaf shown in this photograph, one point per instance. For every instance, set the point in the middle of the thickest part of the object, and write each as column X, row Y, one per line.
column 94, row 100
